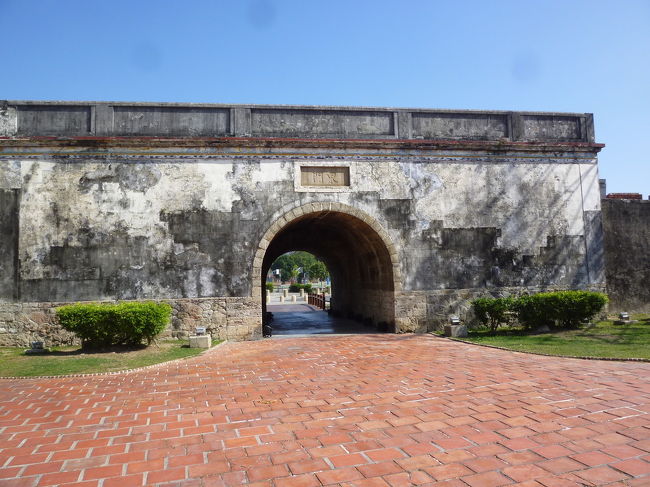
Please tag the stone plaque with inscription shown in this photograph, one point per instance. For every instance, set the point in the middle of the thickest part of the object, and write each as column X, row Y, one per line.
column 324, row 176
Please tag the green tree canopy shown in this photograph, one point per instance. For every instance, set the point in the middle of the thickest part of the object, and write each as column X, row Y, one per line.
column 288, row 264
column 318, row 270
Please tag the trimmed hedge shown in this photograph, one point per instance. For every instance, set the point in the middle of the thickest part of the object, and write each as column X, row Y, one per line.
column 492, row 312
column 294, row 288
column 106, row 325
column 563, row 309
column 269, row 287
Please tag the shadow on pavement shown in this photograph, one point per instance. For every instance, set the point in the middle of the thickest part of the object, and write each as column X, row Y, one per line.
column 304, row 319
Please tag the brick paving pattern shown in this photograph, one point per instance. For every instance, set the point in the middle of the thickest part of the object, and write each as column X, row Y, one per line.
column 364, row 410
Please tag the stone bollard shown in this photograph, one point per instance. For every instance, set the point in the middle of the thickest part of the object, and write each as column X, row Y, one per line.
column 302, row 293
column 456, row 331
column 285, row 292
column 200, row 341
column 268, row 297
column 282, row 299
column 293, row 298
column 37, row 348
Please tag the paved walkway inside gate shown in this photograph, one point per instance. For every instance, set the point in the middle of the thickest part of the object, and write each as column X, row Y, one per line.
column 305, row 319
column 354, row 410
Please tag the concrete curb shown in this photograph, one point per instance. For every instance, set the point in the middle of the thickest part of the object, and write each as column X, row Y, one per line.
column 117, row 372
column 607, row 359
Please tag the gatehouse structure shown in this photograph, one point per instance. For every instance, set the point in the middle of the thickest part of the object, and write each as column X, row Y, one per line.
column 415, row 212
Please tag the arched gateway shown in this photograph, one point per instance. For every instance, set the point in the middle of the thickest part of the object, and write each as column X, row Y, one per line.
column 416, row 212
column 362, row 260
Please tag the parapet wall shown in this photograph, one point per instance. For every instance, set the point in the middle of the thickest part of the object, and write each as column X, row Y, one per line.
column 87, row 119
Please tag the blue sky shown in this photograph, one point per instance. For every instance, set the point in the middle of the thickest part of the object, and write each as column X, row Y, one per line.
column 573, row 56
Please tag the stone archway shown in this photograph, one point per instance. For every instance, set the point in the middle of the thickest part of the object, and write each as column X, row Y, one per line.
column 358, row 252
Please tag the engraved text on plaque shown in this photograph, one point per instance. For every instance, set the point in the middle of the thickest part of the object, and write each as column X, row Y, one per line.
column 324, row 176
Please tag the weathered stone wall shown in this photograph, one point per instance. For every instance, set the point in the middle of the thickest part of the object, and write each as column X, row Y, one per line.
column 183, row 220
column 111, row 119
column 459, row 225
column 627, row 254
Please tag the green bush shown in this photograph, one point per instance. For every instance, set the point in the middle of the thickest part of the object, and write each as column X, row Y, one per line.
column 579, row 306
column 492, row 312
column 269, row 287
column 533, row 311
column 105, row 325
column 565, row 309
column 295, row 288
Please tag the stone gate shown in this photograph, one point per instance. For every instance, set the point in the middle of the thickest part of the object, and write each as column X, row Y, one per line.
column 414, row 211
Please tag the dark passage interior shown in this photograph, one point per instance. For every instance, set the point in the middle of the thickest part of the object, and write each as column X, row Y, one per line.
column 304, row 319
column 357, row 259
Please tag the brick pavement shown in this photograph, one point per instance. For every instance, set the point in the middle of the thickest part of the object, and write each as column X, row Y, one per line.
column 363, row 410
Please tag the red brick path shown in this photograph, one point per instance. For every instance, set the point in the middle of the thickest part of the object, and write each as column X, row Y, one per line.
column 364, row 410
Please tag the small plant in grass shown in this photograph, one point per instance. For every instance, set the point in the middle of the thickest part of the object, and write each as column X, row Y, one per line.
column 492, row 312
column 106, row 325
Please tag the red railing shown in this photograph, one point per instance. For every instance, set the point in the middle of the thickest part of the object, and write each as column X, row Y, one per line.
column 317, row 300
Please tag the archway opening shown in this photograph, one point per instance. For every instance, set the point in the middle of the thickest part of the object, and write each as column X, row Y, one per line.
column 298, row 297
column 358, row 261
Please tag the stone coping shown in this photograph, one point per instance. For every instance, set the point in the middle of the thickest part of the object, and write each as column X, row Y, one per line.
column 78, row 103
column 117, row 372
column 607, row 359
column 25, row 118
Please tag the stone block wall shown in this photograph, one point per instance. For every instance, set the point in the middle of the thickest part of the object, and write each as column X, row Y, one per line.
column 627, row 253
column 424, row 311
column 22, row 323
column 224, row 319
column 376, row 305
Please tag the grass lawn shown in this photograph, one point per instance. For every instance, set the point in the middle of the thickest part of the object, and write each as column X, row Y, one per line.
column 72, row 360
column 603, row 339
